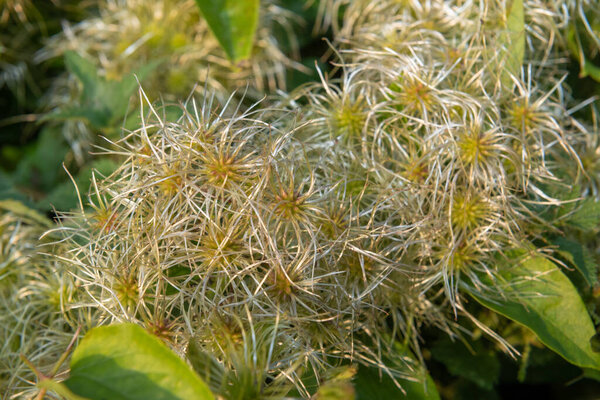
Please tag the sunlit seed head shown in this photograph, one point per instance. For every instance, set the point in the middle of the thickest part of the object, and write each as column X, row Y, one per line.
column 104, row 219
column 453, row 54
column 415, row 170
column 58, row 294
column 323, row 333
column 457, row 208
column 523, row 116
column 464, row 256
column 280, row 285
column 247, row 366
column 458, row 255
column 348, row 118
column 412, row 95
column 170, row 182
column 218, row 249
column 290, row 204
column 127, row 291
column 229, row 332
column 475, row 146
column 143, row 155
column 161, row 328
column 468, row 210
column 221, row 169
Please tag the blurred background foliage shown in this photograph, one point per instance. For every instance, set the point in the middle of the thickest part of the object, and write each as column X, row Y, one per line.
column 57, row 101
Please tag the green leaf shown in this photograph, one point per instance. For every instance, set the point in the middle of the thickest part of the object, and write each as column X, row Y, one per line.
column 338, row 386
column 576, row 47
column 41, row 167
column 579, row 257
column 513, row 41
column 338, row 390
column 592, row 374
column 371, row 385
column 39, row 170
column 64, row 196
column 102, row 102
column 124, row 362
column 97, row 117
column 60, row 389
column 590, row 69
column 85, row 71
column 9, row 191
column 463, row 389
column 475, row 364
column 540, row 297
column 587, row 215
column 234, row 23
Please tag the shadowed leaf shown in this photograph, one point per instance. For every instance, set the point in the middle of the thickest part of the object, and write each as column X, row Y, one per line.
column 234, row 23
column 539, row 296
column 124, row 362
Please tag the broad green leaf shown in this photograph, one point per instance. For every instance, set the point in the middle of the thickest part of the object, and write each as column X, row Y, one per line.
column 513, row 41
column 21, row 210
column 579, row 257
column 234, row 23
column 476, row 364
column 60, row 389
column 124, row 362
column 540, row 297
column 371, row 385
column 587, row 215
column 39, row 170
column 592, row 374
column 94, row 106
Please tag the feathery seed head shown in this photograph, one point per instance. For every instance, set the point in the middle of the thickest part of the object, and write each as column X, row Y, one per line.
column 476, row 146
column 127, row 291
column 468, row 210
column 348, row 119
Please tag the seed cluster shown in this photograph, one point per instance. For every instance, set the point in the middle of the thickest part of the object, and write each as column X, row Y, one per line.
column 271, row 243
column 36, row 295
